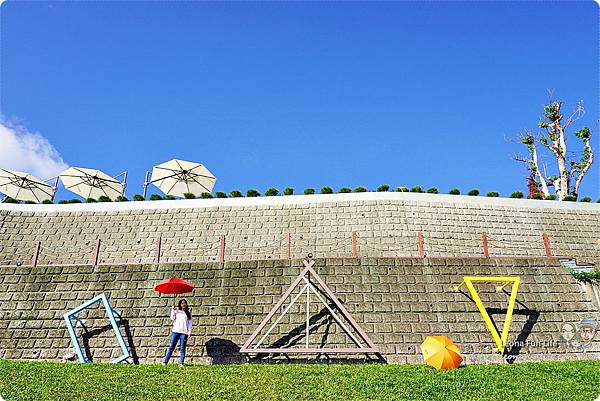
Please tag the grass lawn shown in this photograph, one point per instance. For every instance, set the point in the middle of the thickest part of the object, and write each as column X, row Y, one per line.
column 556, row 381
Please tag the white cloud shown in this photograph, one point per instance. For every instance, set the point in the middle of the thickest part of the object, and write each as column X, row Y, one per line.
column 30, row 152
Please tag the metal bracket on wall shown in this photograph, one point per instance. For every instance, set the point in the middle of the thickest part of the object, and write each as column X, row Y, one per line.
column 72, row 314
column 500, row 340
column 364, row 345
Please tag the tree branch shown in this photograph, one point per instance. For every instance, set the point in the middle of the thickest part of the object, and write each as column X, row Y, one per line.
column 533, row 163
column 586, row 159
column 577, row 114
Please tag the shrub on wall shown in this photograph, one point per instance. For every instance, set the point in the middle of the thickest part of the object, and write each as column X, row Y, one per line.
column 383, row 188
column 189, row 195
column 309, row 191
column 8, row 199
column 221, row 195
column 62, row 202
column 401, row 189
column 206, row 195
column 122, row 198
column 104, row 198
column 517, row 195
column 492, row 194
column 74, row 200
column 550, row 197
column 473, row 192
column 138, row 198
column 155, row 197
column 417, row 189
column 29, row 202
column 91, row 200
column 252, row 193
column 360, row 189
column 585, row 199
column 169, row 197
column 594, row 275
column 235, row 194
column 537, row 195
column 271, row 192
column 433, row 191
column 570, row 198
column 345, row 190
column 47, row 202
column 326, row 190
column 454, row 191
column 288, row 191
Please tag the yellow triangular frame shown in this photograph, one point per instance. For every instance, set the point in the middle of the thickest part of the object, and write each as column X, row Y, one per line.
column 500, row 340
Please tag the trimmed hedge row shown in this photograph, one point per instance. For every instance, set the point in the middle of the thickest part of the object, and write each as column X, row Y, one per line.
column 252, row 193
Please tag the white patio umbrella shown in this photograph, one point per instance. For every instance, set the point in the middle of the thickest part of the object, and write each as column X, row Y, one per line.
column 23, row 186
column 91, row 183
column 177, row 177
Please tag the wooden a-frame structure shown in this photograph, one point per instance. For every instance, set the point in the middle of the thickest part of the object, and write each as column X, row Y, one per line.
column 308, row 274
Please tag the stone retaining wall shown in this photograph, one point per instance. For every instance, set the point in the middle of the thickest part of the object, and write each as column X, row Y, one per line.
column 385, row 225
column 396, row 301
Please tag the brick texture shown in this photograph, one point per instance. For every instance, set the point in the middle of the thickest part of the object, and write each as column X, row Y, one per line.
column 397, row 301
column 385, row 228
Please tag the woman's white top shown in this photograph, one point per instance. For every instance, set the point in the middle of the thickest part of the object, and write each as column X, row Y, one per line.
column 181, row 324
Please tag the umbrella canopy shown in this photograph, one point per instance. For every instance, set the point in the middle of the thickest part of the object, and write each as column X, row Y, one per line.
column 441, row 353
column 174, row 286
column 91, row 183
column 177, row 177
column 23, row 186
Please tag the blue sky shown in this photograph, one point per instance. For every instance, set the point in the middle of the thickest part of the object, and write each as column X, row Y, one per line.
column 300, row 94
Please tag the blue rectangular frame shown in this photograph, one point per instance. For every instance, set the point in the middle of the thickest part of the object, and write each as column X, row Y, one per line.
column 111, row 316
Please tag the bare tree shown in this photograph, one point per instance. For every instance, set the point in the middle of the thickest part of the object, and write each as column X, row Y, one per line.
column 570, row 172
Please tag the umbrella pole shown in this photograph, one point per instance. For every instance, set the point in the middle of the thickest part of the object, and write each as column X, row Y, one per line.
column 54, row 188
column 146, row 184
column 122, row 181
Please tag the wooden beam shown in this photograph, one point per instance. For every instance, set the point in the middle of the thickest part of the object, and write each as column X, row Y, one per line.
column 222, row 249
column 96, row 253
column 36, row 253
column 547, row 245
column 158, row 245
column 484, row 239
column 309, row 351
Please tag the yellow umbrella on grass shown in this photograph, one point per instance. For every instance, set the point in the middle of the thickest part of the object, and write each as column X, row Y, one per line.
column 441, row 353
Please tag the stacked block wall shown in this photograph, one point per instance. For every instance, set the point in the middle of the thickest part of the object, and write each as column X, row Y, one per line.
column 386, row 225
column 398, row 302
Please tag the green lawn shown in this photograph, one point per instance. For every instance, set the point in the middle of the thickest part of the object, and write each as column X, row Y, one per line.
column 556, row 381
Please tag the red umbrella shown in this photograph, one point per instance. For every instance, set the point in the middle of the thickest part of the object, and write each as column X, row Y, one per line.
column 174, row 286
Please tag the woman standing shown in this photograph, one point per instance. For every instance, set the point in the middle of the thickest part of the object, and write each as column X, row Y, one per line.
column 182, row 328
